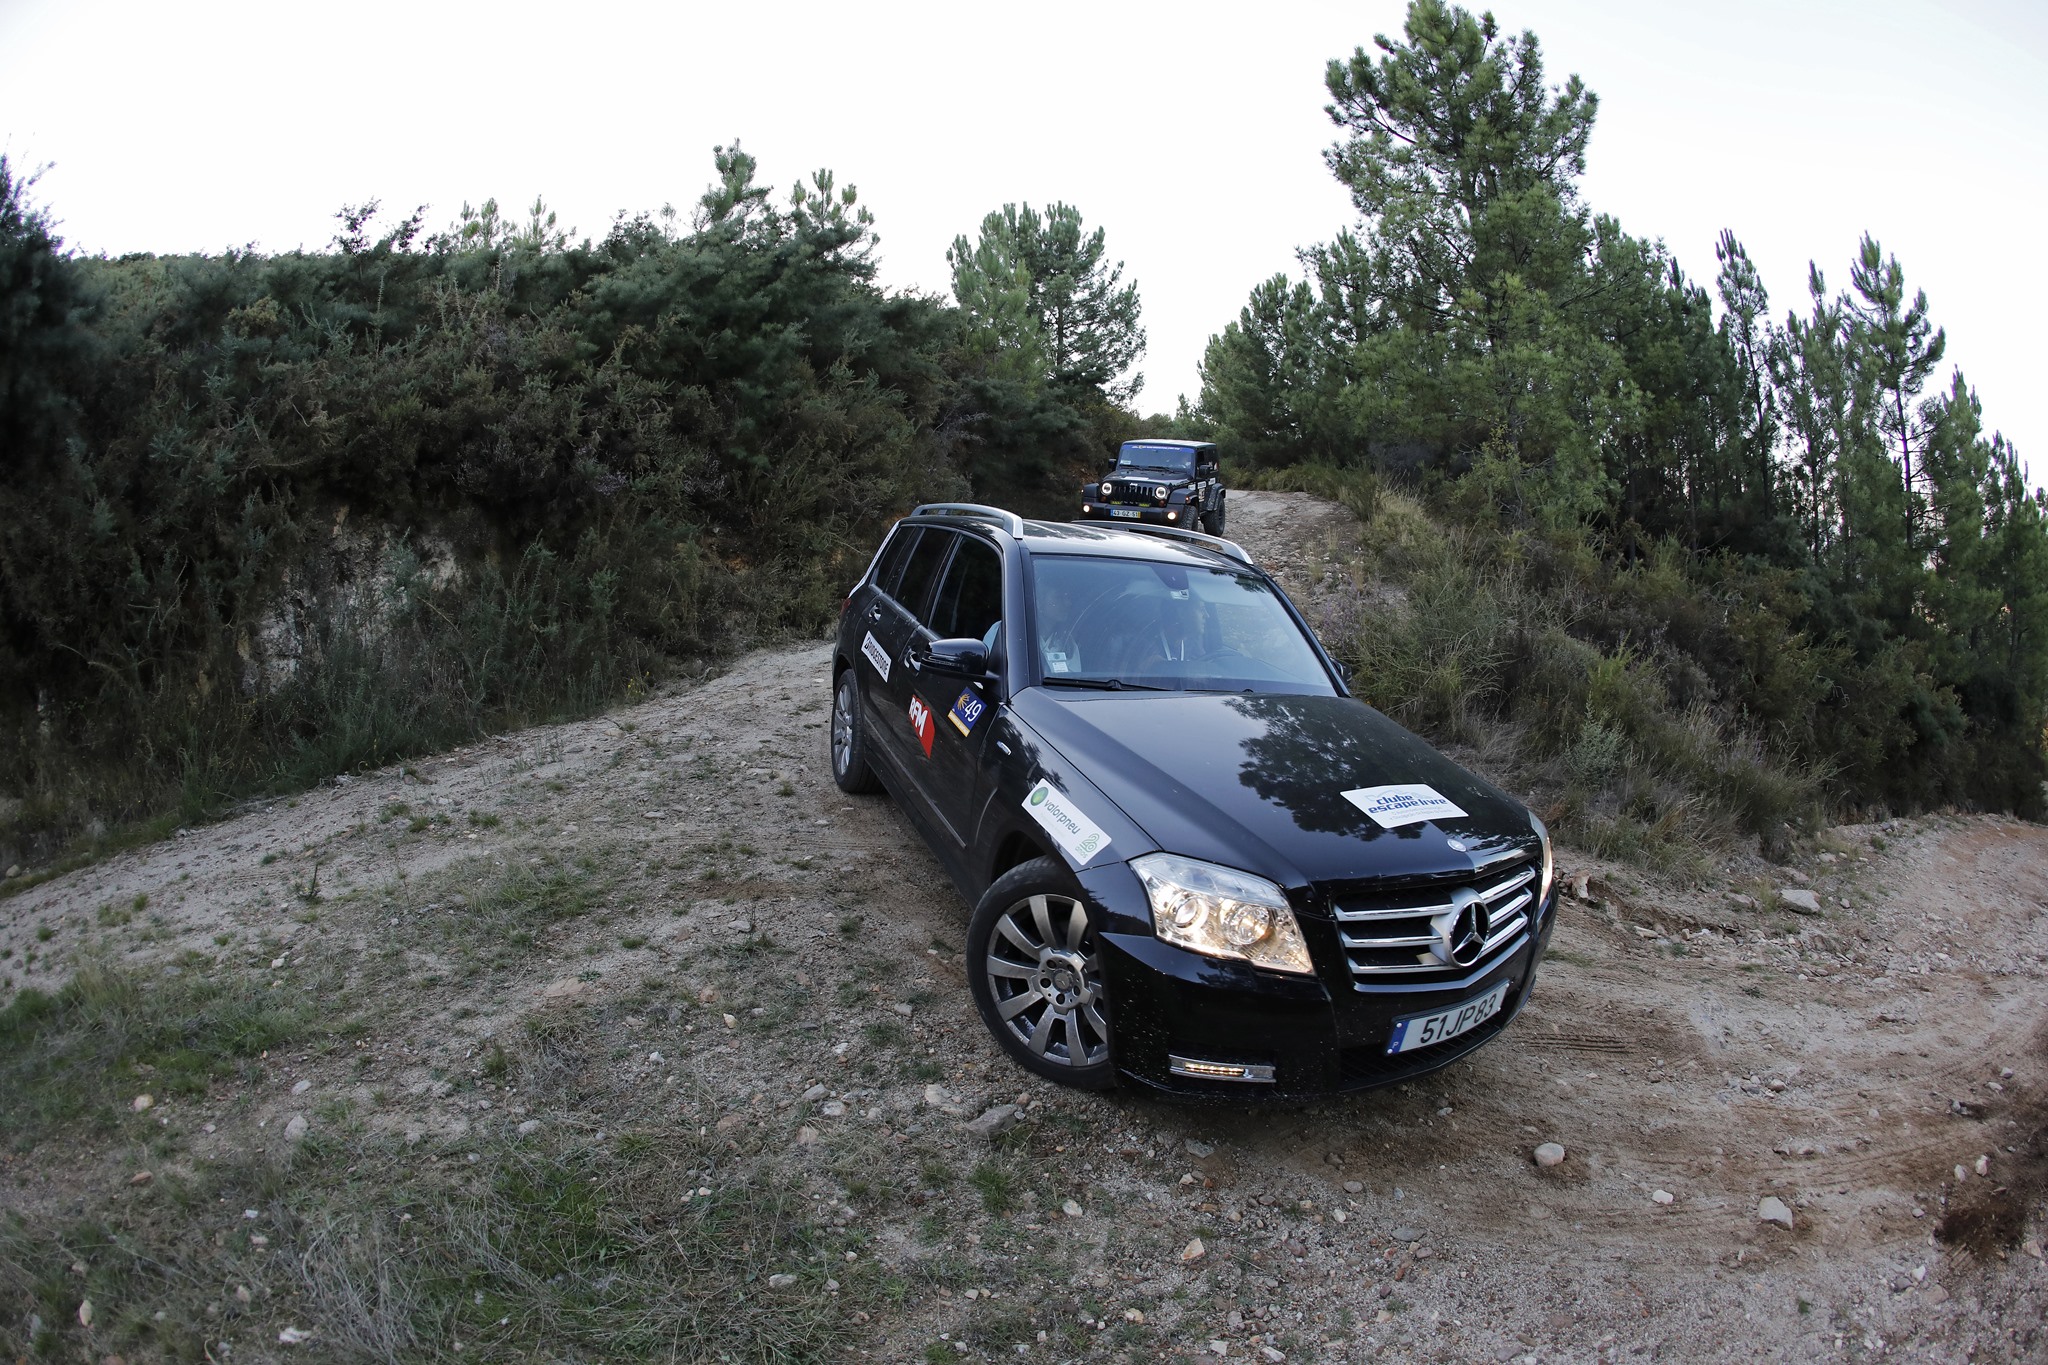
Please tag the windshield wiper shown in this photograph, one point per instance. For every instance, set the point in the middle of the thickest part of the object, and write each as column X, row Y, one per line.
column 1109, row 684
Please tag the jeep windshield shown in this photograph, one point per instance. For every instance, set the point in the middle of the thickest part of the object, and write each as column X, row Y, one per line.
column 1132, row 623
column 1158, row 459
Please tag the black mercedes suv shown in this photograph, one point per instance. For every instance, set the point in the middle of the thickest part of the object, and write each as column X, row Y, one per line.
column 1196, row 861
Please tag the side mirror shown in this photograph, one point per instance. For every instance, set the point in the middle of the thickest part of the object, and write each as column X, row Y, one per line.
column 962, row 658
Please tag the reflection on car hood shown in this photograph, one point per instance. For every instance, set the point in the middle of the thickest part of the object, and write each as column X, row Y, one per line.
column 1258, row 781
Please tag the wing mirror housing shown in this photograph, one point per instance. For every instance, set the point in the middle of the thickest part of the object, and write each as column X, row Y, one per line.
column 965, row 657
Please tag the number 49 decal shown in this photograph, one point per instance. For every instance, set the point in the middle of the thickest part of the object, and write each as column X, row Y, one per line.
column 966, row 712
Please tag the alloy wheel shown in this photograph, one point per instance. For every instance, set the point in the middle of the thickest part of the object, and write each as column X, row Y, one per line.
column 1046, row 978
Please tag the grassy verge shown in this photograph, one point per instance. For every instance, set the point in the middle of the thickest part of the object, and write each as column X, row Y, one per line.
column 80, row 1055
column 629, row 1222
column 373, row 1251
column 1358, row 490
column 1516, row 647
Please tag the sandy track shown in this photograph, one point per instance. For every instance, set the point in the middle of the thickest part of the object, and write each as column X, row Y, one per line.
column 1678, row 1044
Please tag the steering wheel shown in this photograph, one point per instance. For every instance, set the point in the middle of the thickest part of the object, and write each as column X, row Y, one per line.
column 1111, row 629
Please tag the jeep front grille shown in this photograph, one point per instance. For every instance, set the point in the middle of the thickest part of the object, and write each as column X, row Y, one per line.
column 1439, row 929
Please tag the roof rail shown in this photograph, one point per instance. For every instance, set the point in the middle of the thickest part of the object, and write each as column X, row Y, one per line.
column 1207, row 542
column 974, row 511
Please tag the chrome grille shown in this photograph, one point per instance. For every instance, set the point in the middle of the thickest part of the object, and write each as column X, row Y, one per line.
column 1442, row 928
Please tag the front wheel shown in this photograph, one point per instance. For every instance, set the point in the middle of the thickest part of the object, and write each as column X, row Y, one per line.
column 850, row 739
column 1213, row 523
column 1034, row 965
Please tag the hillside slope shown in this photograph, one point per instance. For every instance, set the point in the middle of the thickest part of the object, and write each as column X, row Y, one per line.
column 662, row 946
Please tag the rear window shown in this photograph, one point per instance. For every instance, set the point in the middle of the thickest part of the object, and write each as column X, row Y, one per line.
column 889, row 568
column 914, row 586
column 971, row 595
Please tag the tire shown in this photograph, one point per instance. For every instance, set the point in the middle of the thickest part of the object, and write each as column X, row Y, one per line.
column 849, row 739
column 1214, row 521
column 1034, row 965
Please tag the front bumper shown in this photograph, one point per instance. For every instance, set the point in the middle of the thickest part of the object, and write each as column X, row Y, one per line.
column 1319, row 1035
column 1184, row 515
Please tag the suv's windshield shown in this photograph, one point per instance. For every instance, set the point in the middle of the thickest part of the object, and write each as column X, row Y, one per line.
column 1133, row 623
column 1165, row 459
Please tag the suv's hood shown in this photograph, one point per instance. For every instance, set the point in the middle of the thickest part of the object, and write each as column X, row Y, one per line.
column 1258, row 781
column 1149, row 478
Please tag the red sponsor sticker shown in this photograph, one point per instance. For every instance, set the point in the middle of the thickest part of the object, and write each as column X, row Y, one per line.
column 921, row 721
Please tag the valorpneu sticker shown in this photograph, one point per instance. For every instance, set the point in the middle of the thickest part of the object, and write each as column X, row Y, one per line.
column 1077, row 835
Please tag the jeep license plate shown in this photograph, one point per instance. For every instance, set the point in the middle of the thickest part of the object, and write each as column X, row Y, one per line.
column 1423, row 1030
column 1131, row 512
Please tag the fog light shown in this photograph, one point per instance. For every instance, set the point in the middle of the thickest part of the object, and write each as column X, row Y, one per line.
column 1086, row 509
column 1220, row 1071
column 1173, row 516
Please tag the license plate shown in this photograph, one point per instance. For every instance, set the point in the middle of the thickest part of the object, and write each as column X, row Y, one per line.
column 1131, row 512
column 1423, row 1030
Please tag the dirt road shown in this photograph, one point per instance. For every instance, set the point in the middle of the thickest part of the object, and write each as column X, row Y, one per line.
column 789, row 959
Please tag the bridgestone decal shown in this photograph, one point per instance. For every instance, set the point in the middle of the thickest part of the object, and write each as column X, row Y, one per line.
column 1074, row 832
column 876, row 655
column 1411, row 804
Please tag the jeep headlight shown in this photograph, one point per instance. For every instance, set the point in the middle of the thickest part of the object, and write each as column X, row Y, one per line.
column 1107, row 488
column 1219, row 912
column 1160, row 492
column 1549, row 864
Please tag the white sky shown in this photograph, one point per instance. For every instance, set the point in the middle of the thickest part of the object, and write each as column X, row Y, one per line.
column 1191, row 133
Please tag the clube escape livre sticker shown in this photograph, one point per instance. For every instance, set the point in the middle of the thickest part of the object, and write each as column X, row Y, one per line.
column 1405, row 804
column 1074, row 832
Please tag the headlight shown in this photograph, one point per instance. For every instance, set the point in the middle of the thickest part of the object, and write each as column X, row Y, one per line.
column 1160, row 492
column 1549, row 863
column 1222, row 913
column 1107, row 488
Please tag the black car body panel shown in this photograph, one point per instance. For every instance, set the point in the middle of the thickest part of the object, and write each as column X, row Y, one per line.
column 1259, row 781
column 1399, row 920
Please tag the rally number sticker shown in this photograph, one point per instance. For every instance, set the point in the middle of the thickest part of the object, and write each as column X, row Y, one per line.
column 1077, row 835
column 872, row 650
column 967, row 711
column 1406, row 804
column 921, row 722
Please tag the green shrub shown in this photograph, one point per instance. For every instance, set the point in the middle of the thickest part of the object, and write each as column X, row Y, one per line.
column 1479, row 639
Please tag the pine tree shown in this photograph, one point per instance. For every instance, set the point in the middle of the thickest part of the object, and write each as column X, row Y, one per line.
column 1897, row 349
column 1750, row 339
column 1810, row 375
column 1075, row 312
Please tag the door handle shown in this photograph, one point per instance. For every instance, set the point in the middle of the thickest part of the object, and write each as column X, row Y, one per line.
column 874, row 613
